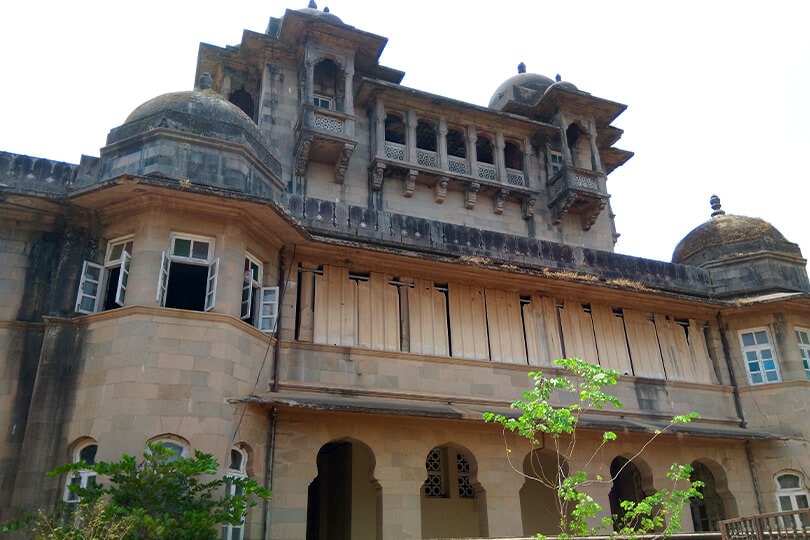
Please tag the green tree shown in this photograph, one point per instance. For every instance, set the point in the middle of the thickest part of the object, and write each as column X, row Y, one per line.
column 579, row 513
column 162, row 496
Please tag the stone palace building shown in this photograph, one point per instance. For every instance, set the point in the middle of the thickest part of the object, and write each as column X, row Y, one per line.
column 323, row 278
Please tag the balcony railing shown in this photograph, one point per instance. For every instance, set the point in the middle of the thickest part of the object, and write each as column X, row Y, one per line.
column 457, row 165
column 793, row 525
column 487, row 172
column 329, row 123
column 394, row 151
column 515, row 177
column 427, row 158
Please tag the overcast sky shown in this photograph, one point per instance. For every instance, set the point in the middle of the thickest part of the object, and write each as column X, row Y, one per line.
column 717, row 91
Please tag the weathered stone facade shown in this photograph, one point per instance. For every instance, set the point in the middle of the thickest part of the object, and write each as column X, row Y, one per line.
column 333, row 275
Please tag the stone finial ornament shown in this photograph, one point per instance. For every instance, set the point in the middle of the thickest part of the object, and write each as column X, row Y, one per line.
column 326, row 9
column 206, row 81
column 716, row 207
column 312, row 4
column 521, row 68
column 557, row 77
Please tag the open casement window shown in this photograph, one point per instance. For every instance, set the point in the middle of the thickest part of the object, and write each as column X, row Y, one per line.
column 103, row 287
column 188, row 277
column 82, row 478
column 803, row 338
column 268, row 309
column 251, row 285
column 760, row 356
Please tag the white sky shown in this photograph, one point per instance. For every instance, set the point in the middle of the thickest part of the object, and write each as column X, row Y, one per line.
column 717, row 90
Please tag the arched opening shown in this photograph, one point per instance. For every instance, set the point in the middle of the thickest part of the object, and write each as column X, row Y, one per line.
column 455, row 144
column 426, row 136
column 483, row 150
column 579, row 146
column 344, row 500
column 394, row 129
column 244, row 101
column 708, row 511
column 626, row 487
column 325, row 84
column 513, row 157
column 539, row 503
column 451, row 489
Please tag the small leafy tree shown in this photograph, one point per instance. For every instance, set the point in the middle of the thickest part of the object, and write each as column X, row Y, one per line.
column 162, row 496
column 579, row 512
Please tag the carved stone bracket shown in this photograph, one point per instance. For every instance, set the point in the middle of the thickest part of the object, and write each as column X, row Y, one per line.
column 471, row 195
column 410, row 183
column 440, row 190
column 343, row 162
column 500, row 199
column 377, row 175
column 527, row 206
column 303, row 155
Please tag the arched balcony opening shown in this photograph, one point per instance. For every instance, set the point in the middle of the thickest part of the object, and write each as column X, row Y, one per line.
column 456, row 151
column 426, row 145
column 394, row 137
column 325, row 84
column 485, row 158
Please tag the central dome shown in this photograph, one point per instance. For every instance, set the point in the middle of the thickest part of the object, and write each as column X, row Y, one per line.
column 523, row 87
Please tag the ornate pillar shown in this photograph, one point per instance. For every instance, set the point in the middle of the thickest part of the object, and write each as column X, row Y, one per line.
column 596, row 159
column 500, row 158
column 472, row 154
column 569, row 159
column 442, row 144
column 528, row 166
column 378, row 142
column 309, row 92
column 410, row 136
column 348, row 100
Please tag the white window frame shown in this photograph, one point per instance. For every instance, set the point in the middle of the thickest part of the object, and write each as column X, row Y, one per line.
column 798, row 498
column 95, row 289
column 250, row 282
column 268, row 309
column 803, row 341
column 760, row 355
column 83, row 477
column 167, row 257
column 319, row 101
column 235, row 532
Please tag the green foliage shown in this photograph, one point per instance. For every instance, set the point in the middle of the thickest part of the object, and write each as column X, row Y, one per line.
column 583, row 386
column 163, row 496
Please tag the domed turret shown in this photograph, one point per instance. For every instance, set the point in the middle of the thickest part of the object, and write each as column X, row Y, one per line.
column 524, row 87
column 743, row 254
column 195, row 136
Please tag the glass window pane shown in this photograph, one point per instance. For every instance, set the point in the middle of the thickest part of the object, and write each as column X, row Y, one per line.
column 88, row 454
column 748, row 339
column 788, row 481
column 753, row 366
column 90, row 288
column 766, row 353
column 200, row 250
column 116, row 251
column 801, row 501
column 772, row 376
column 785, row 503
column 182, row 247
column 751, row 356
column 756, row 378
column 761, row 337
column 769, row 365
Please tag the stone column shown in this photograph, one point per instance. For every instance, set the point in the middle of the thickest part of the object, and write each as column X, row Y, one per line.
column 528, row 166
column 569, row 159
column 378, row 141
column 472, row 154
column 442, row 144
column 348, row 99
column 596, row 159
column 500, row 158
column 410, row 136
column 309, row 93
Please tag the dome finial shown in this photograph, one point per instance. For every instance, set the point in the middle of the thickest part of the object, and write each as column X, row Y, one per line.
column 312, row 4
column 521, row 68
column 326, row 9
column 716, row 207
column 206, row 81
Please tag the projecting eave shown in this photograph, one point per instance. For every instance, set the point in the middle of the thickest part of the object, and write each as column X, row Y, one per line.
column 370, row 89
column 613, row 158
column 418, row 408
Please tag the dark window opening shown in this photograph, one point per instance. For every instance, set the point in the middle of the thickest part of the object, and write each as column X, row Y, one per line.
column 244, row 101
column 513, row 156
column 394, row 129
column 426, row 136
column 186, row 288
column 455, row 144
column 113, row 275
column 483, row 150
column 572, row 135
column 325, row 78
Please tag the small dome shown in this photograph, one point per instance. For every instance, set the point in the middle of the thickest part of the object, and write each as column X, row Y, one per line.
column 200, row 112
column 523, row 87
column 564, row 85
column 323, row 15
column 726, row 236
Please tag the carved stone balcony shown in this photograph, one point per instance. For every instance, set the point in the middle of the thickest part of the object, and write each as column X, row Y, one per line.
column 324, row 136
column 577, row 191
